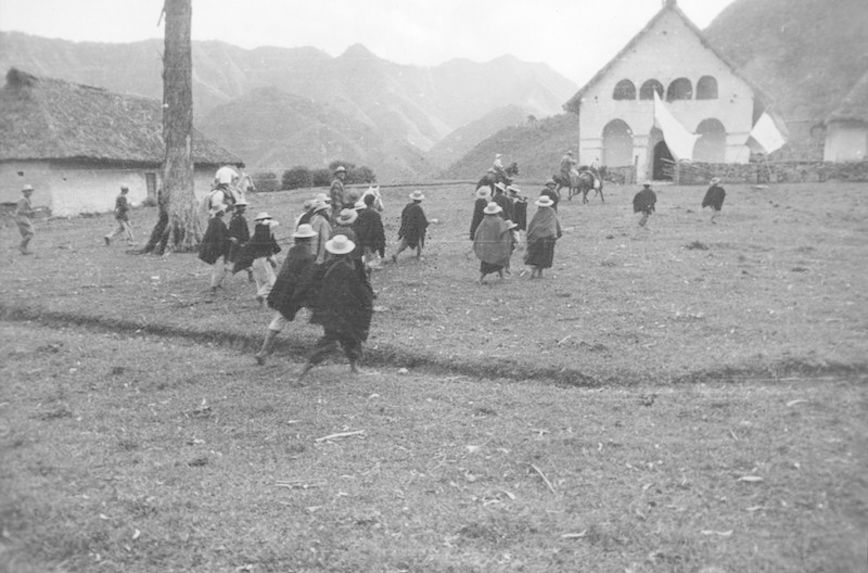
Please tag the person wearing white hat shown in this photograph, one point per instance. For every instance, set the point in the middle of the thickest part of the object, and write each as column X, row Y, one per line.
column 714, row 198
column 239, row 234
column 321, row 223
column 501, row 199
column 294, row 288
column 542, row 233
column 122, row 217
column 551, row 191
column 336, row 190
column 568, row 165
column 261, row 250
column 519, row 208
column 645, row 202
column 215, row 244
column 343, row 306
column 492, row 242
column 414, row 224
column 370, row 232
column 483, row 197
column 24, row 219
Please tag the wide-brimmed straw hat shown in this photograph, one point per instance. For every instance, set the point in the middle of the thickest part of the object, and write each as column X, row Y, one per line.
column 340, row 245
column 511, row 224
column 340, row 168
column 360, row 204
column 241, row 203
column 218, row 210
column 492, row 209
column 27, row 187
column 500, row 186
column 544, row 201
column 551, row 183
column 715, row 180
column 514, row 190
column 262, row 216
column 483, row 193
column 347, row 216
column 416, row 195
column 304, row 231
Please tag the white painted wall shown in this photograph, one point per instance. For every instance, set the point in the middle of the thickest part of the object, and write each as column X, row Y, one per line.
column 846, row 142
column 668, row 51
column 71, row 190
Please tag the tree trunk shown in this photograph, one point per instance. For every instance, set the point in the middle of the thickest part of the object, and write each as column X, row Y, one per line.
column 178, row 227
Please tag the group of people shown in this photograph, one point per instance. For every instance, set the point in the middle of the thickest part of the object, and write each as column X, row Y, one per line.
column 497, row 223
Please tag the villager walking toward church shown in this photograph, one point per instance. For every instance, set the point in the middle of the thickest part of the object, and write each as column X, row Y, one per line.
column 414, row 224
column 261, row 249
column 122, row 217
column 542, row 233
column 501, row 199
column 714, row 198
column 492, row 242
column 215, row 245
column 239, row 234
column 24, row 219
column 344, row 307
column 644, row 202
column 294, row 288
column 519, row 208
column 483, row 198
column 550, row 190
column 370, row 232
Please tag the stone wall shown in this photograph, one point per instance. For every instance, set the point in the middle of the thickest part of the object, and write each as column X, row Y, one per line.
column 772, row 172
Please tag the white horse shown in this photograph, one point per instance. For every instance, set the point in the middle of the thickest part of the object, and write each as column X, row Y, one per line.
column 378, row 198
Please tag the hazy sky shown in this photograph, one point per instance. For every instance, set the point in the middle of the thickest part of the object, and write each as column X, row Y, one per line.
column 575, row 37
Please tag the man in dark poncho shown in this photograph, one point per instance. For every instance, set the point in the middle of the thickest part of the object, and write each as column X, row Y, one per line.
column 413, row 226
column 370, row 232
column 519, row 208
column 239, row 234
column 492, row 242
column 215, row 244
column 550, row 191
column 542, row 233
column 344, row 306
column 503, row 201
column 714, row 198
column 483, row 197
column 644, row 202
column 336, row 191
column 294, row 289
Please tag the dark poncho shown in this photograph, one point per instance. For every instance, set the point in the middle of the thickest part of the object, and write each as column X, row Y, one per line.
column 478, row 214
column 215, row 242
column 644, row 201
column 344, row 303
column 505, row 203
column 542, row 233
column 261, row 244
column 519, row 214
column 370, row 232
column 239, row 230
column 714, row 197
column 295, row 287
column 413, row 225
column 551, row 194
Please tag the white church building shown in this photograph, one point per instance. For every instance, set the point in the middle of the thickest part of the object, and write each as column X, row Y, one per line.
column 705, row 110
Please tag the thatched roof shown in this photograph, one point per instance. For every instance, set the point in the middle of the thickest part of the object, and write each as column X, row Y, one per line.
column 45, row 118
column 854, row 106
column 575, row 102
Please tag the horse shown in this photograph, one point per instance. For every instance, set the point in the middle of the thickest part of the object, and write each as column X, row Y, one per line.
column 586, row 182
column 378, row 198
column 493, row 177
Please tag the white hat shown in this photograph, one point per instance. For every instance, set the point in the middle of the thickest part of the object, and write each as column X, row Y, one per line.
column 304, row 231
column 513, row 189
column 544, row 201
column 500, row 186
column 492, row 209
column 416, row 195
column 241, row 203
column 715, row 180
column 483, row 192
column 360, row 204
column 347, row 216
column 340, row 245
column 27, row 187
column 262, row 216
column 340, row 168
column 551, row 182
column 511, row 224
column 219, row 209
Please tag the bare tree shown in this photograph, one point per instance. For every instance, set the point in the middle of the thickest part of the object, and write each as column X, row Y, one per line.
column 178, row 227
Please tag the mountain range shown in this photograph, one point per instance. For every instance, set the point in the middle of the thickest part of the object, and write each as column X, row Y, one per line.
column 281, row 107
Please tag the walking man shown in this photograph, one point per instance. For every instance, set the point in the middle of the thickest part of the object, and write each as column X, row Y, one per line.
column 24, row 219
column 413, row 226
column 644, row 202
column 122, row 209
column 336, row 191
column 714, row 198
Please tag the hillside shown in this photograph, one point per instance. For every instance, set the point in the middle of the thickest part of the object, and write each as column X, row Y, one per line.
column 462, row 140
column 414, row 105
column 283, row 130
column 537, row 147
column 808, row 54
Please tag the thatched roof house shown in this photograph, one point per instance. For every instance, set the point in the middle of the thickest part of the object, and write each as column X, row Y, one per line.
column 847, row 126
column 78, row 144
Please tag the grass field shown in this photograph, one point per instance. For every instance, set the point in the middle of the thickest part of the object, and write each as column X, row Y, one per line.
column 685, row 398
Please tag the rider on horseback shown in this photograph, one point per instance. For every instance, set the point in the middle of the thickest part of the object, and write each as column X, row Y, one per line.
column 568, row 165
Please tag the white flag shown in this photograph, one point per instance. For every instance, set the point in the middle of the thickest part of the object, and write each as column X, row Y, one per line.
column 679, row 140
column 767, row 134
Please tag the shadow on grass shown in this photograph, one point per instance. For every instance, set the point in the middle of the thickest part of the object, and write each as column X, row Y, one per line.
column 388, row 356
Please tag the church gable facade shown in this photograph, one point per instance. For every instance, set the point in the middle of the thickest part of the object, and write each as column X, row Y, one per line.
column 701, row 90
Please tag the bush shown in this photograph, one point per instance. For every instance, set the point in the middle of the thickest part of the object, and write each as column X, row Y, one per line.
column 322, row 177
column 297, row 178
column 265, row 181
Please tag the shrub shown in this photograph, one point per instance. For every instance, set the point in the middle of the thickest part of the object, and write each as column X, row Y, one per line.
column 296, row 178
column 322, row 177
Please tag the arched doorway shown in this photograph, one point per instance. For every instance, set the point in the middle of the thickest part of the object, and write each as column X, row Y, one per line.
column 617, row 144
column 711, row 145
column 664, row 163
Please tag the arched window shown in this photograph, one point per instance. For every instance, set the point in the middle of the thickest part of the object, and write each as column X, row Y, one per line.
column 711, row 145
column 680, row 88
column 617, row 144
column 649, row 87
column 706, row 88
column 625, row 89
